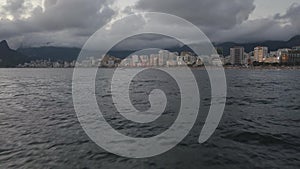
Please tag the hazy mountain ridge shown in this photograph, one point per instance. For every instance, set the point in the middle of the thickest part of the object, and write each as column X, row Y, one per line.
column 272, row 45
column 68, row 54
column 51, row 53
column 11, row 58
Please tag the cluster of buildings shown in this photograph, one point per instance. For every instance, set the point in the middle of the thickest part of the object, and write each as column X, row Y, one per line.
column 47, row 64
column 261, row 55
column 106, row 61
column 169, row 59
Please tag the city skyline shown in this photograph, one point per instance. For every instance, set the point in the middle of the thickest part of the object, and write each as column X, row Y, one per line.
column 164, row 58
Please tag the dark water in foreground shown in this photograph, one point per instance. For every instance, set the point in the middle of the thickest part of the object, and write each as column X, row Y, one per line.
column 260, row 127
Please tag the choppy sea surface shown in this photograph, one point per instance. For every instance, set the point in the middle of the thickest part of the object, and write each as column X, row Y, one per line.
column 260, row 127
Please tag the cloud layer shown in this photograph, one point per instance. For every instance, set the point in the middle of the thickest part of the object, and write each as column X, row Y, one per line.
column 61, row 22
column 71, row 22
column 229, row 20
column 209, row 13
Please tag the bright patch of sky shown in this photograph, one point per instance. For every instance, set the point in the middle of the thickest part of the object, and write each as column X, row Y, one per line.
column 268, row 8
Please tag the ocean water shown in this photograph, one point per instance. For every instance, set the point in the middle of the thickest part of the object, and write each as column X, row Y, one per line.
column 260, row 127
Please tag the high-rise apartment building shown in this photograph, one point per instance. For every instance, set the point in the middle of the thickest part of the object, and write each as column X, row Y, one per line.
column 163, row 57
column 237, row 55
column 260, row 53
column 294, row 56
column 283, row 55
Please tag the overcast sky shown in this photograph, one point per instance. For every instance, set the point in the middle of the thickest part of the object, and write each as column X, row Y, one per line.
column 71, row 22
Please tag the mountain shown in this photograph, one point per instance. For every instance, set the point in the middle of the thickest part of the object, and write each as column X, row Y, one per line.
column 63, row 53
column 225, row 47
column 272, row 45
column 52, row 53
column 9, row 57
column 70, row 54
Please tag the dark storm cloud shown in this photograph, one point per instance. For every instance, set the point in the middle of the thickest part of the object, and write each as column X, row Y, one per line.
column 229, row 20
column 72, row 22
column 279, row 27
column 216, row 13
column 292, row 15
column 146, row 41
column 73, row 17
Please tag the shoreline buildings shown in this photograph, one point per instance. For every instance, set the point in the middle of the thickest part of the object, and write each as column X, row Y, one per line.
column 294, row 56
column 283, row 55
column 237, row 55
column 260, row 53
column 161, row 59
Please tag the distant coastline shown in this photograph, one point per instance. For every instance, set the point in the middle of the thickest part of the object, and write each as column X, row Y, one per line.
column 267, row 55
column 201, row 67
